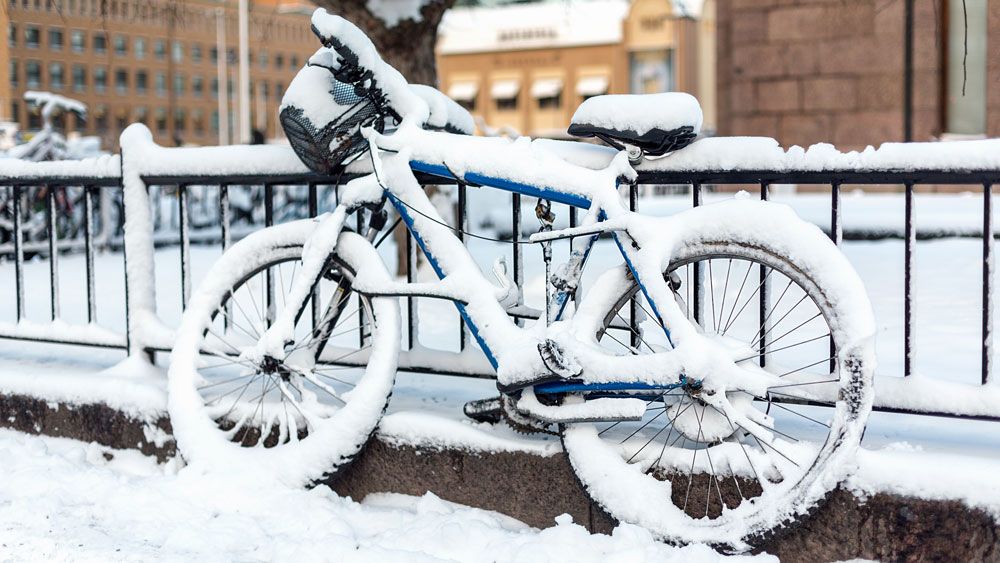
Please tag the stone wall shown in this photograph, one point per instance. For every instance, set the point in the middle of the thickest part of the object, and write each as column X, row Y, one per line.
column 808, row 71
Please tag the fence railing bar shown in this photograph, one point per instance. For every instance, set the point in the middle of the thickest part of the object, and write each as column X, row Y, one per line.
column 185, row 226
column 573, row 221
column 463, row 226
column 518, row 251
column 909, row 240
column 225, row 215
column 88, row 239
column 313, row 211
column 50, row 207
column 696, row 286
column 764, row 298
column 837, row 236
column 269, row 300
column 18, row 253
column 987, row 360
column 411, row 302
column 633, row 302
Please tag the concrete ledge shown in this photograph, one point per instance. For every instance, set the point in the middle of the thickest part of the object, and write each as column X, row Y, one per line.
column 536, row 489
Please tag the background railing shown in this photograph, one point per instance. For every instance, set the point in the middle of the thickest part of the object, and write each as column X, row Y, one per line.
column 157, row 196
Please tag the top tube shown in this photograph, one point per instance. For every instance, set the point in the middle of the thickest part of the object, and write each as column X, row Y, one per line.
column 503, row 184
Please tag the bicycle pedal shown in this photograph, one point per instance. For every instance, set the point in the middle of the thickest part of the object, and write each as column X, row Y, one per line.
column 484, row 410
column 554, row 359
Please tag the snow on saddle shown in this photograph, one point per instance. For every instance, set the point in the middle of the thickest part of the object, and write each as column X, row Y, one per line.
column 655, row 124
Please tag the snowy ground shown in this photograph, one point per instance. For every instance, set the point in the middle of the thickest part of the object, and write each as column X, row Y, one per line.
column 63, row 500
column 927, row 457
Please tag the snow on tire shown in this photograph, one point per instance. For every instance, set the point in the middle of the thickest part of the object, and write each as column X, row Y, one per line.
column 685, row 471
column 300, row 417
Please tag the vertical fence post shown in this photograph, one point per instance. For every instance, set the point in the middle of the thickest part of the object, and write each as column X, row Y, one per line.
column 225, row 216
column 18, row 253
column 411, row 302
column 50, row 206
column 572, row 246
column 764, row 294
column 515, row 238
column 88, row 241
column 837, row 236
column 269, row 304
column 987, row 362
column 696, row 299
column 910, row 239
column 185, row 220
column 463, row 225
column 313, row 211
column 633, row 303
column 140, row 301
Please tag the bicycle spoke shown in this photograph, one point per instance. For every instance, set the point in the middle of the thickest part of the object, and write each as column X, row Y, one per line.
column 725, row 288
column 736, row 300
column 766, row 351
column 780, row 406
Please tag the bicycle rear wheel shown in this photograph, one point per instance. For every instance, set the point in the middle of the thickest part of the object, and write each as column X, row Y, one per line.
column 685, row 471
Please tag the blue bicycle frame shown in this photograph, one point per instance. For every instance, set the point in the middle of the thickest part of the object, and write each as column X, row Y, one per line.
column 562, row 297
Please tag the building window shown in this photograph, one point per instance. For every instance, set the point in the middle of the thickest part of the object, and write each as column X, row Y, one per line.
column 262, row 59
column 180, row 123
column 548, row 92
column 15, row 112
column 78, row 40
column 141, row 81
column 215, row 122
column 213, row 55
column 100, row 79
column 177, row 50
column 161, row 120
column 198, row 122
column 215, row 88
column 179, row 84
column 11, row 35
column 279, row 61
column 121, row 45
column 965, row 112
column 55, row 39
column 140, row 48
column 140, row 115
column 121, row 81
column 160, row 49
column 101, row 118
column 79, row 78
column 505, row 93
column 56, row 76
column 34, row 118
column 32, row 36
column 161, row 84
column 294, row 61
column 196, row 53
column 651, row 72
column 121, row 122
column 13, row 74
column 197, row 86
column 100, row 43
column 33, row 74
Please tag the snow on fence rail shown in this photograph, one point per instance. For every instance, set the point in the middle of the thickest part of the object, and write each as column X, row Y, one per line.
column 144, row 166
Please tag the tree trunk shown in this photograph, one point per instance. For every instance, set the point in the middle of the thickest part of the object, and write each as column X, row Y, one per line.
column 408, row 45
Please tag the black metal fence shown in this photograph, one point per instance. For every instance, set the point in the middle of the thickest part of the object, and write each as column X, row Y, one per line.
column 180, row 171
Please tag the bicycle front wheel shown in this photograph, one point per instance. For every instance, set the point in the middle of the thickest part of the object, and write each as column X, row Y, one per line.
column 304, row 415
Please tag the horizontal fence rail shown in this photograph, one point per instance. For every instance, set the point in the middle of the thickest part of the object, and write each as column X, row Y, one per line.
column 153, row 196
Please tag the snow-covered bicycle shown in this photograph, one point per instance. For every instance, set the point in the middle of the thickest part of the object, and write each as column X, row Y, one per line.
column 689, row 400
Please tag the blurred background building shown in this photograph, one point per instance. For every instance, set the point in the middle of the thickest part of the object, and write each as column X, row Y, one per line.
column 808, row 71
column 528, row 66
column 151, row 61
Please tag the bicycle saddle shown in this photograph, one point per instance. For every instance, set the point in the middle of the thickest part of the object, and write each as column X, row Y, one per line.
column 653, row 123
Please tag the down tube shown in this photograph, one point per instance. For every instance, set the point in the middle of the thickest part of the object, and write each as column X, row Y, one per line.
column 404, row 212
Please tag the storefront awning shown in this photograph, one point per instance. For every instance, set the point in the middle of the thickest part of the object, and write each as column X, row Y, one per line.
column 463, row 91
column 592, row 86
column 546, row 87
column 505, row 89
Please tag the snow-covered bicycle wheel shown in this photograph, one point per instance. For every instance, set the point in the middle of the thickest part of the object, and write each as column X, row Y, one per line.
column 685, row 471
column 299, row 417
